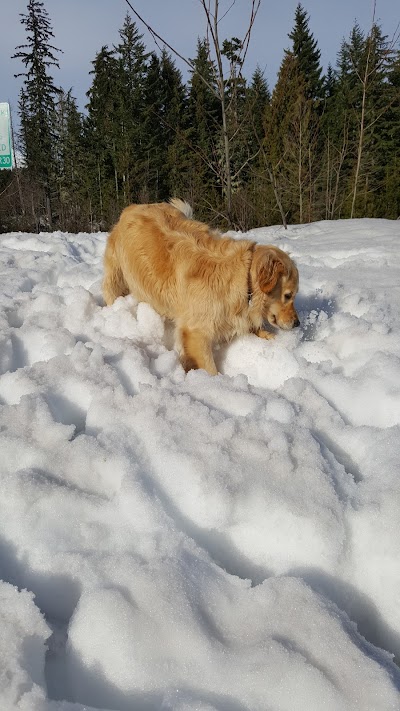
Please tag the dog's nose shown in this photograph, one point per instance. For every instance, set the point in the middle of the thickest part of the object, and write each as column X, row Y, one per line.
column 296, row 323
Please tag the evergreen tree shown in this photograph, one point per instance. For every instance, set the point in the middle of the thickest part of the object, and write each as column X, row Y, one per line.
column 164, row 111
column 333, row 128
column 238, row 129
column 203, row 129
column 235, row 84
column 329, row 85
column 277, row 122
column 339, row 125
column 305, row 49
column 388, row 198
column 72, row 165
column 154, row 147
column 291, row 142
column 173, row 118
column 308, row 106
column 102, row 137
column 369, row 175
column 173, row 97
column 252, row 202
column 350, row 57
column 132, row 57
column 258, row 98
column 362, row 100
column 204, row 110
column 37, row 102
column 237, row 118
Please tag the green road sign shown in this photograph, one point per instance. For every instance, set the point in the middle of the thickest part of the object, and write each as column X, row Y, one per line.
column 6, row 151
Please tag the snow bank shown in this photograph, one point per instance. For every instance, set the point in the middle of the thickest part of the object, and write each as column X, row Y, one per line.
column 182, row 543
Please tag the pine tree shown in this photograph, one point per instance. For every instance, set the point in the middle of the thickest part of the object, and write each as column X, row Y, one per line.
column 72, row 165
column 203, row 105
column 258, row 98
column 339, row 125
column 308, row 107
column 369, row 176
column 388, row 198
column 132, row 57
column 37, row 102
column 164, row 111
column 173, row 96
column 101, row 136
column 203, row 129
column 252, row 201
column 329, row 84
column 238, row 125
column 235, row 84
column 291, row 142
column 153, row 141
column 364, row 100
column 277, row 122
column 334, row 136
column 174, row 117
column 305, row 49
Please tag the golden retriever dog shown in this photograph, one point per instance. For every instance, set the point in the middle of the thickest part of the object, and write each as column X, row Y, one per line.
column 213, row 287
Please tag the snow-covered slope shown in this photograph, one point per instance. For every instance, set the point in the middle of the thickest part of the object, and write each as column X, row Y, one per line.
column 186, row 543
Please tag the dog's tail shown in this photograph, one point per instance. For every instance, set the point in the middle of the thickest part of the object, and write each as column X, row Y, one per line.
column 182, row 206
column 114, row 284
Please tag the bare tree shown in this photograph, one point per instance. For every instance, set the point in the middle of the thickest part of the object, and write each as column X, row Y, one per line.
column 213, row 19
column 236, row 62
column 335, row 157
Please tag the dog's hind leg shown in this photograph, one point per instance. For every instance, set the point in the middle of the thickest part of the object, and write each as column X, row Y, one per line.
column 114, row 284
column 196, row 351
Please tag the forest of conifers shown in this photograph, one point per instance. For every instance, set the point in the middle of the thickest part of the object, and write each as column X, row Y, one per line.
column 319, row 146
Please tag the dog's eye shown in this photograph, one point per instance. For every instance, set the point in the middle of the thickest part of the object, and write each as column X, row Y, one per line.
column 287, row 297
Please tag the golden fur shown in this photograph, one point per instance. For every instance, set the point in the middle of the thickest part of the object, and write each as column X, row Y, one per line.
column 212, row 287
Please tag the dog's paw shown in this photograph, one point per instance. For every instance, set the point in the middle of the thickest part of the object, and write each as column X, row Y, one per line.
column 265, row 334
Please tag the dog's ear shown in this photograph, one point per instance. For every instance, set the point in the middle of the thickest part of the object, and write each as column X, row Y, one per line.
column 270, row 272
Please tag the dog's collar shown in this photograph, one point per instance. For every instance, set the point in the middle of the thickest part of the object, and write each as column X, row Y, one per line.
column 249, row 283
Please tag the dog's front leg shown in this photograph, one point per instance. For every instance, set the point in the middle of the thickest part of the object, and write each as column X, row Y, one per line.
column 261, row 333
column 196, row 351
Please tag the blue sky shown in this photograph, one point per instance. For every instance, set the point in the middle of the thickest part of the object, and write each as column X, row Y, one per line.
column 81, row 27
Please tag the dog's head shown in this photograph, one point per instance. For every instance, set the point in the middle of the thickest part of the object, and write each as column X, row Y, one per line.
column 276, row 280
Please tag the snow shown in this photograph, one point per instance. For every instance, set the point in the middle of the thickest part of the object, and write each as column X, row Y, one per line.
column 174, row 542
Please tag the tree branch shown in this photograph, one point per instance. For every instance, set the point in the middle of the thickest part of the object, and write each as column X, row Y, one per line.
column 156, row 36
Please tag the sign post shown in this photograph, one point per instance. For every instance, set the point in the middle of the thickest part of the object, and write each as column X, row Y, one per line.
column 6, row 147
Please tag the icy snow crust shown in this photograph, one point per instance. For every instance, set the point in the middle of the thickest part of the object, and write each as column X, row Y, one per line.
column 190, row 543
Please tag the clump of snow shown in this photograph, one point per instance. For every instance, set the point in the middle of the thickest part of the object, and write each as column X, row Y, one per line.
column 22, row 648
column 176, row 542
